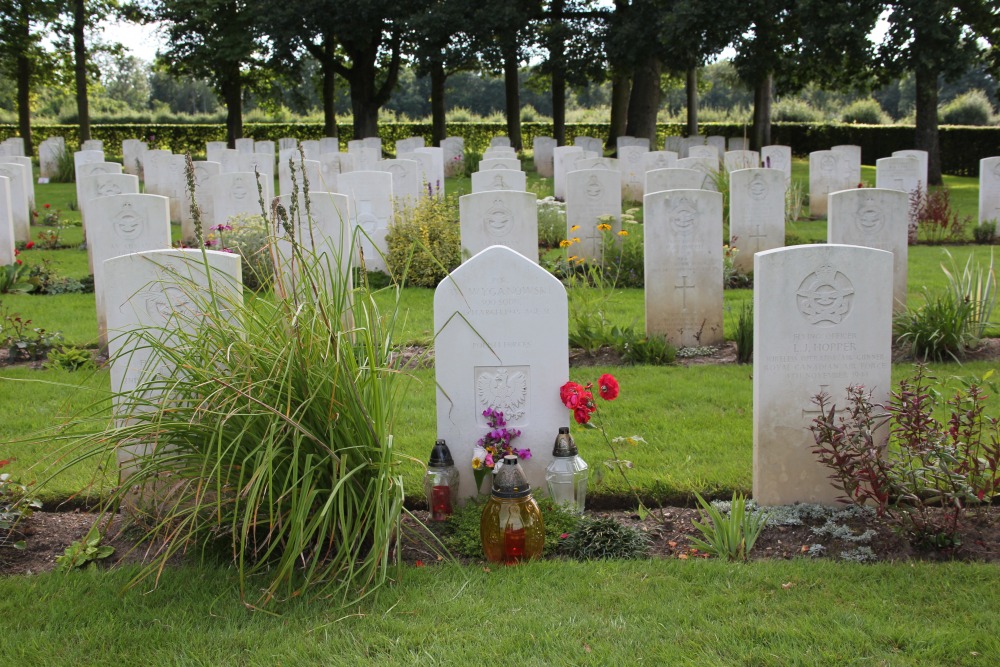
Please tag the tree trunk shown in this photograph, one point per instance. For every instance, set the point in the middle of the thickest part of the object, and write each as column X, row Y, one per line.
column 927, row 121
column 24, row 81
column 438, row 121
column 329, row 102
column 619, row 108
column 557, row 64
column 80, row 69
column 692, row 101
column 644, row 102
column 232, row 95
column 761, row 133
column 512, row 94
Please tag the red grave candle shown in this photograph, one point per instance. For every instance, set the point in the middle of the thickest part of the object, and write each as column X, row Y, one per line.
column 513, row 545
column 440, row 503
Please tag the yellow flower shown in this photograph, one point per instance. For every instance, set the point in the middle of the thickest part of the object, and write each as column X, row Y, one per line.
column 574, row 228
column 565, row 244
column 604, row 227
column 572, row 258
column 477, row 463
column 575, row 239
column 623, row 233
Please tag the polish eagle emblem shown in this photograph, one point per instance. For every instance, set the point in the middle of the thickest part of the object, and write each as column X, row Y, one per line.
column 505, row 391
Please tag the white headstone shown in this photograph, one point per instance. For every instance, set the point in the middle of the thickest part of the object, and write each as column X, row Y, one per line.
column 542, row 148
column 756, row 213
column 151, row 167
column 14, row 146
column 29, row 182
column 683, row 266
column 157, row 295
column 705, row 151
column 873, row 218
column 674, row 144
column 707, row 166
column 409, row 145
column 435, row 177
column 658, row 180
column 369, row 195
column 592, row 194
column 50, row 152
column 92, row 145
column 311, row 149
column 989, row 191
column 563, row 157
column 777, row 157
column 17, row 174
column 850, row 166
column 625, row 141
column 454, row 157
column 596, row 163
column 659, row 160
column 426, row 163
column 504, row 321
column 898, row 173
column 632, row 167
column 236, row 193
column 204, row 171
column 719, row 142
column 499, row 179
column 406, row 185
column 264, row 146
column 591, row 144
column 287, row 144
column 324, row 239
column 173, row 183
column 738, row 144
column 499, row 217
column 257, row 162
column 214, row 150
column 121, row 225
column 374, row 143
column 922, row 158
column 132, row 150
column 500, row 163
column 245, row 146
column 499, row 151
column 500, row 141
column 230, row 159
column 742, row 160
column 824, row 178
column 7, row 238
column 103, row 185
column 822, row 322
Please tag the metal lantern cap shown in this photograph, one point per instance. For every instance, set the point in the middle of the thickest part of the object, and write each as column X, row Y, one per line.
column 510, row 482
column 565, row 446
column 441, row 455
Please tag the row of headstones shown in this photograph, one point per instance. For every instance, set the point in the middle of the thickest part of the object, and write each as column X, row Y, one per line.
column 989, row 192
column 840, row 169
column 822, row 323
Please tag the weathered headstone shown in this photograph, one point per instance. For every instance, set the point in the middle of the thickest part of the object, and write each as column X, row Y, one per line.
column 435, row 177
column 89, row 145
column 922, row 158
column 369, row 195
column 214, row 150
column 245, row 146
column 132, row 150
column 405, row 181
column 658, row 180
column 324, row 240
column 506, row 218
column 500, row 163
column 705, row 151
column 741, row 160
column 659, row 160
column 20, row 212
column 822, row 322
column 7, row 237
column 756, row 213
column 499, row 179
column 563, row 158
column 102, row 185
column 683, row 266
column 738, row 144
column 898, row 173
column 591, row 144
column 873, row 218
column 236, row 193
column 121, row 225
column 674, row 144
column 719, row 142
column 504, row 321
column 29, row 182
column 454, row 156
column 50, row 153
column 500, row 141
column 204, row 171
column 633, row 171
column 596, row 163
column 593, row 196
column 849, row 174
column 409, row 145
column 707, row 166
column 989, row 191
column 264, row 146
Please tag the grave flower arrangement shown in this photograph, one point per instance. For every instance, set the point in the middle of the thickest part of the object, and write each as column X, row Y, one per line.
column 492, row 447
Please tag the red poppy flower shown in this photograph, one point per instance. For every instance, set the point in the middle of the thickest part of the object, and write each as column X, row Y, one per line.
column 570, row 394
column 46, row 205
column 581, row 415
column 29, row 245
column 608, row 387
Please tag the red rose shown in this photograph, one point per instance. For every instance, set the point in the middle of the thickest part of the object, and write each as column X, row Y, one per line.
column 607, row 386
column 29, row 245
column 46, row 205
column 569, row 394
column 581, row 415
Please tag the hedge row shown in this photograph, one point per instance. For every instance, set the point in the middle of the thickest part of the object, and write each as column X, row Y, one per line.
column 961, row 147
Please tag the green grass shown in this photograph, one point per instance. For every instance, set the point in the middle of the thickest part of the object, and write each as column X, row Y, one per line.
column 548, row 613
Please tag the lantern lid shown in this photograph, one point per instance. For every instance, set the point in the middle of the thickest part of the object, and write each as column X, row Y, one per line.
column 509, row 481
column 441, row 455
column 565, row 446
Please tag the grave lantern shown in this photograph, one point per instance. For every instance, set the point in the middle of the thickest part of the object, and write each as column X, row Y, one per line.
column 511, row 526
column 566, row 476
column 441, row 482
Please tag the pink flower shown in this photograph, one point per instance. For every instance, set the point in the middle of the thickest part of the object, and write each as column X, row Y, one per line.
column 489, row 460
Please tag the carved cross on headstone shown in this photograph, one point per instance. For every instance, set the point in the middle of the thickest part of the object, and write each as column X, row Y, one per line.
column 757, row 236
column 813, row 409
column 684, row 287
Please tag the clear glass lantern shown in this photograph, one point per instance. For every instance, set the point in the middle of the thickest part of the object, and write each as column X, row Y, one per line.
column 441, row 482
column 511, row 527
column 566, row 476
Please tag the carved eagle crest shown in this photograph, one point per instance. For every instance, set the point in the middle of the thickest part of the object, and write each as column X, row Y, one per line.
column 504, row 391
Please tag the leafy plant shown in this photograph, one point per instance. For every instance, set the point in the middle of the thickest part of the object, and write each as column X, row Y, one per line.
column 65, row 168
column 932, row 476
column 733, row 278
column 49, row 239
column 13, row 278
column 83, row 553
column 971, row 108
column 69, row 358
column 425, row 242
column 985, row 232
column 15, row 505
column 933, row 219
column 247, row 235
column 744, row 333
column 636, row 348
column 45, row 280
column 24, row 342
column 551, row 222
column 605, row 538
column 865, row 112
column 976, row 286
column 729, row 535
column 942, row 327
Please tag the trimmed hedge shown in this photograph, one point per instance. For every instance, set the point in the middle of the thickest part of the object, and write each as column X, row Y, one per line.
column 961, row 147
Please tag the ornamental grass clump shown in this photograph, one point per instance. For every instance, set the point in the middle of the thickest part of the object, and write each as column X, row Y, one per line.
column 271, row 444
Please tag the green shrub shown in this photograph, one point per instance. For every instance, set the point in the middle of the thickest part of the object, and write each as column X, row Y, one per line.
column 731, row 533
column 864, row 112
column 425, row 242
column 940, row 328
column 65, row 168
column 247, row 235
column 604, row 538
column 744, row 333
column 984, row 233
column 638, row 349
column 551, row 222
column 69, row 358
column 971, row 108
column 793, row 110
